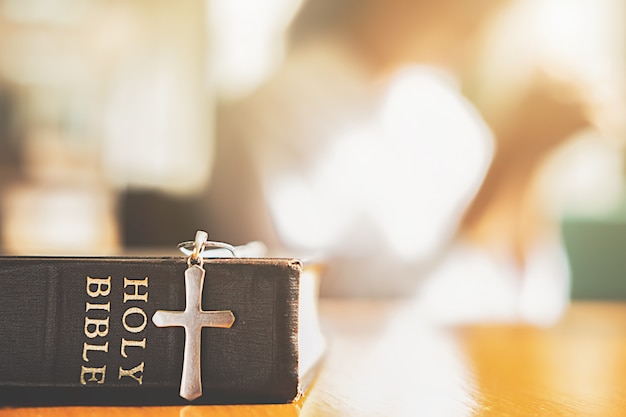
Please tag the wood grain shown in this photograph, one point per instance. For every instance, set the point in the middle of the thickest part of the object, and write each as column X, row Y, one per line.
column 577, row 368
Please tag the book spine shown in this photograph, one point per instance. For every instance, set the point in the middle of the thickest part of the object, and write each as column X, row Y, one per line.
column 80, row 331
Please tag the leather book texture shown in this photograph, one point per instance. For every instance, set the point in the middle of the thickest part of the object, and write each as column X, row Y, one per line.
column 79, row 331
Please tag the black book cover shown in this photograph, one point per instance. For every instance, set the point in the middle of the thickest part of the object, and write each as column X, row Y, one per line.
column 66, row 337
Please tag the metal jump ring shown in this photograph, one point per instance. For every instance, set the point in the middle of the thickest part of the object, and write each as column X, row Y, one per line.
column 194, row 251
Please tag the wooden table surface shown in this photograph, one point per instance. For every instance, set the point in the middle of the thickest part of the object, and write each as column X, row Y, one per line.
column 385, row 360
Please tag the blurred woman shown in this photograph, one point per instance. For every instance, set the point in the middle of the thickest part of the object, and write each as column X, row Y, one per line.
column 362, row 151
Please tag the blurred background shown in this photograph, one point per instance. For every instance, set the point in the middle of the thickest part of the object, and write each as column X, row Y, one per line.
column 110, row 109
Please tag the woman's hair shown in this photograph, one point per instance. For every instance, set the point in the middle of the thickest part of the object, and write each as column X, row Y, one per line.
column 316, row 17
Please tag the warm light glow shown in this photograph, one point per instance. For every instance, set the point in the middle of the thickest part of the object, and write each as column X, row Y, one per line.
column 157, row 132
column 585, row 178
column 472, row 285
column 58, row 221
column 247, row 41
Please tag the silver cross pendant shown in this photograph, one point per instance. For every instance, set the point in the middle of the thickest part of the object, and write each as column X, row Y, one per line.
column 193, row 319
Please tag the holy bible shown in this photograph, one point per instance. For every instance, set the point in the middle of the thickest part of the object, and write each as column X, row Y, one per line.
column 117, row 331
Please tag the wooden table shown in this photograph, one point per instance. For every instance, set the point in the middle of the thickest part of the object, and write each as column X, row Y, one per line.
column 385, row 360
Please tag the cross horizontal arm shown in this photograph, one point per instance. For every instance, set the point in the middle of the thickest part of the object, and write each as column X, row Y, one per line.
column 223, row 319
column 163, row 318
